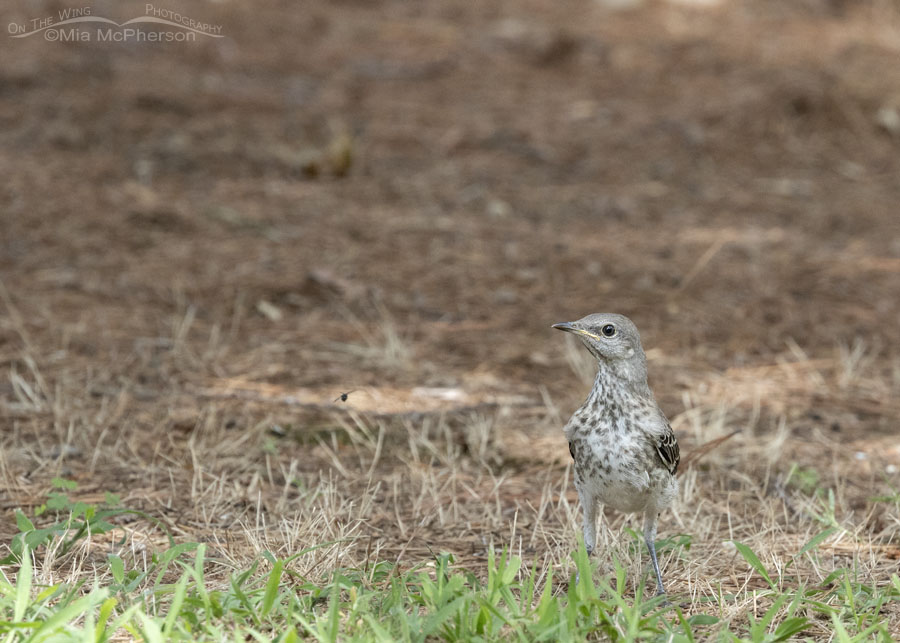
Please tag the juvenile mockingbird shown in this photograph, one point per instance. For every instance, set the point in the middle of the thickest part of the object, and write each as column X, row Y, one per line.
column 624, row 449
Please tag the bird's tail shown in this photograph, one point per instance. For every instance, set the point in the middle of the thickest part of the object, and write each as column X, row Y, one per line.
column 691, row 459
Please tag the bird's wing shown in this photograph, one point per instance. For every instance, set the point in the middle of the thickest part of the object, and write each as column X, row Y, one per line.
column 667, row 448
column 664, row 441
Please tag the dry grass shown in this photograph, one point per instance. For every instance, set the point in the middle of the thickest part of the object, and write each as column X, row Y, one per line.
column 278, row 469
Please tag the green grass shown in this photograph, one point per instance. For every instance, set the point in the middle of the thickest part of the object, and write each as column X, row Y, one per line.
column 182, row 593
column 432, row 601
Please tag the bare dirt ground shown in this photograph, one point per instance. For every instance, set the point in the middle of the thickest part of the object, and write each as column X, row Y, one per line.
column 204, row 244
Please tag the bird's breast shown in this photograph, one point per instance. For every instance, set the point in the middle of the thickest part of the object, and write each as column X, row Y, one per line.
column 616, row 465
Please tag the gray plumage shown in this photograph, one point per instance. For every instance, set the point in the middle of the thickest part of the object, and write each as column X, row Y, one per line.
column 624, row 450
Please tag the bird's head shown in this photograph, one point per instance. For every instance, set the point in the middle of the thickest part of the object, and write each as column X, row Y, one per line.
column 614, row 340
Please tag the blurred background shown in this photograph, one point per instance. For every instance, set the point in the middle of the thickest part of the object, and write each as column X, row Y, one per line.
column 399, row 198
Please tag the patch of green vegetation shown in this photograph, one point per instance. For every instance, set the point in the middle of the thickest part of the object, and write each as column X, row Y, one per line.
column 892, row 498
column 804, row 479
column 182, row 594
column 75, row 520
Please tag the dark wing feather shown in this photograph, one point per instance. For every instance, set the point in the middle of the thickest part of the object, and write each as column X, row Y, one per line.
column 572, row 450
column 667, row 448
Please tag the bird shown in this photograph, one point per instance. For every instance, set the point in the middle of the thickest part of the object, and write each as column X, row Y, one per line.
column 625, row 452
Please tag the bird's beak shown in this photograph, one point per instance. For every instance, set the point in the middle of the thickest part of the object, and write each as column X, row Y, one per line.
column 570, row 327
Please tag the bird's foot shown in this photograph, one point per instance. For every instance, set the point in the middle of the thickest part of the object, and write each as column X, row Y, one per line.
column 661, row 592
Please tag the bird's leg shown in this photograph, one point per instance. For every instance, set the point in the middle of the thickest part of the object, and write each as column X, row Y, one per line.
column 650, row 538
column 589, row 507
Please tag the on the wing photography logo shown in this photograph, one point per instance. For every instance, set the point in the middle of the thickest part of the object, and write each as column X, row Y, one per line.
column 158, row 24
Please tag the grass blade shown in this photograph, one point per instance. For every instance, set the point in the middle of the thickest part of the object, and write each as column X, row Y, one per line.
column 272, row 587
column 754, row 562
column 23, row 586
column 816, row 540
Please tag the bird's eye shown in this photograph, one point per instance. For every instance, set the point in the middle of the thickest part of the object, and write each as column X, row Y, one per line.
column 608, row 330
